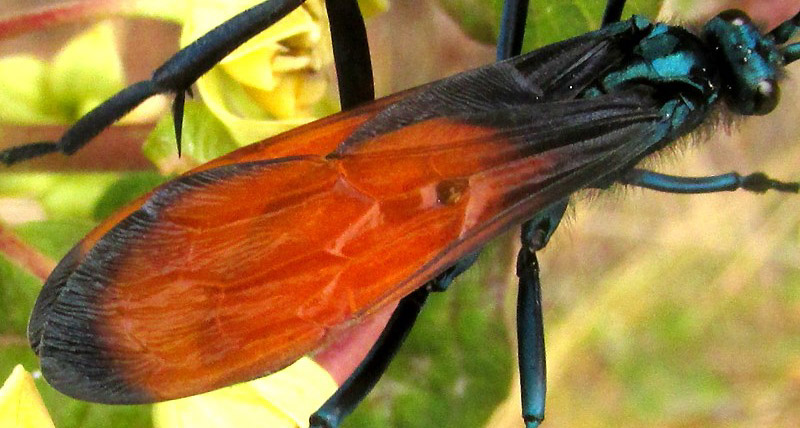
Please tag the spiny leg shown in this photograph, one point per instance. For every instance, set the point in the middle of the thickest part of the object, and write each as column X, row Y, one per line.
column 757, row 182
column 367, row 374
column 175, row 76
column 178, row 73
column 177, row 117
column 86, row 128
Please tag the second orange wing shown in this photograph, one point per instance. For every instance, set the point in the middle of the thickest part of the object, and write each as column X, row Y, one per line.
column 237, row 269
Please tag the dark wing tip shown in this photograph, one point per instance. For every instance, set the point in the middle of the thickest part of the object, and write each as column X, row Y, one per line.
column 85, row 380
column 62, row 333
column 74, row 357
column 47, row 297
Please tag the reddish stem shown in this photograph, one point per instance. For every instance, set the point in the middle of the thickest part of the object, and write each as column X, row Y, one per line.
column 49, row 16
column 24, row 255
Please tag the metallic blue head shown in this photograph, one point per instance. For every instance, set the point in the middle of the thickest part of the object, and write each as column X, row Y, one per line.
column 749, row 62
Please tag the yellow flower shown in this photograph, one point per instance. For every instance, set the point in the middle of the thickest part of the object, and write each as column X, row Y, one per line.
column 21, row 405
column 268, row 84
column 84, row 73
column 283, row 400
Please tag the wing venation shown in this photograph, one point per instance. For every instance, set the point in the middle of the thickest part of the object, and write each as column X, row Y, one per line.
column 232, row 272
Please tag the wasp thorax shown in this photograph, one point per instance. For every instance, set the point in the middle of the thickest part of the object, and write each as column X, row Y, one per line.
column 749, row 62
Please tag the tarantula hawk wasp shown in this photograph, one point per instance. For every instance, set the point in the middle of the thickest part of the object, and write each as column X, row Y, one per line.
column 389, row 200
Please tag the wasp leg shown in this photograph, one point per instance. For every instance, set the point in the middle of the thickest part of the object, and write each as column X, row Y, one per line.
column 177, row 118
column 350, row 53
column 86, row 127
column 512, row 28
column 178, row 73
column 757, row 182
column 535, row 234
column 530, row 327
column 613, row 12
column 530, row 331
column 367, row 374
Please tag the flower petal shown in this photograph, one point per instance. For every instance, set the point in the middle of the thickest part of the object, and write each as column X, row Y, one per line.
column 21, row 405
column 284, row 399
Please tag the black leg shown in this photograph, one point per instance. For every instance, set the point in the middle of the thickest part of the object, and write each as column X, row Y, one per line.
column 613, row 12
column 530, row 325
column 175, row 76
column 512, row 28
column 351, row 53
column 86, row 127
column 757, row 182
column 530, row 337
column 177, row 117
column 535, row 234
column 367, row 374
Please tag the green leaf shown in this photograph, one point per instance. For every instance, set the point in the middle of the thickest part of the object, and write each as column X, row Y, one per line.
column 204, row 138
column 478, row 18
column 23, row 92
column 54, row 238
column 125, row 190
column 18, row 291
column 87, row 71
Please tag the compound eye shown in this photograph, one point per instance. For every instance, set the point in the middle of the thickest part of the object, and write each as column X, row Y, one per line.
column 766, row 96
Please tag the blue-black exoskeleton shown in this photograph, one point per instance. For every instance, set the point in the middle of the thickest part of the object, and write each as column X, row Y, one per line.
column 629, row 89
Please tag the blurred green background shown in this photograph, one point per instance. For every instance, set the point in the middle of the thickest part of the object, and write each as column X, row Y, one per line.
column 660, row 310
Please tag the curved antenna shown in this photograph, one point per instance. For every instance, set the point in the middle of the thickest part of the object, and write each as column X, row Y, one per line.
column 783, row 32
column 791, row 53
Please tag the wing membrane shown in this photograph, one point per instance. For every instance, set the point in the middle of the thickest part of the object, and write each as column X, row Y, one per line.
column 235, row 271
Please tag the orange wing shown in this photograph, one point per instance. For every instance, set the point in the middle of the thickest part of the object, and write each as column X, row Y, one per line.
column 240, row 267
